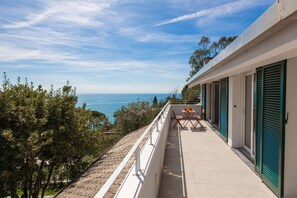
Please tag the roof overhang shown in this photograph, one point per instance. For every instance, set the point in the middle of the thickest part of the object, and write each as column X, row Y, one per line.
column 266, row 40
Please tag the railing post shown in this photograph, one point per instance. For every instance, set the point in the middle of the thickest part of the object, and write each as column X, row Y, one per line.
column 157, row 125
column 151, row 138
column 137, row 160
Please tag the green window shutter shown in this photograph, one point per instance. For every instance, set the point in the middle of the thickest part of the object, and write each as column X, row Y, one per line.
column 224, row 108
column 270, row 124
column 259, row 98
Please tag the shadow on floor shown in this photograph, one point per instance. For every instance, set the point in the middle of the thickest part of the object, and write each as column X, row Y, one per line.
column 198, row 129
column 172, row 182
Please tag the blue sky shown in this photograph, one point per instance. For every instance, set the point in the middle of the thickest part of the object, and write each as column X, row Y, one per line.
column 113, row 46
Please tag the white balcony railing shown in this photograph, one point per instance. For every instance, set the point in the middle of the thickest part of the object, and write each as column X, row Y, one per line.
column 144, row 176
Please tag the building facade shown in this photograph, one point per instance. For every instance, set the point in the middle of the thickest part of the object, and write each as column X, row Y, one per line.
column 249, row 95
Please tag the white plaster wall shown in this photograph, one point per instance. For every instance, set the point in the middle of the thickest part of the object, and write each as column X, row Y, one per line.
column 290, row 174
column 208, row 102
column 235, row 111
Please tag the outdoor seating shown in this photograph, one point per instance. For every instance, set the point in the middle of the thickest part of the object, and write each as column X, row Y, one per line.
column 188, row 113
column 197, row 118
column 189, row 117
column 177, row 119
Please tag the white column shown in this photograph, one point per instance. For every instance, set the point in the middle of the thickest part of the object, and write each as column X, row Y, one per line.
column 290, row 177
column 235, row 111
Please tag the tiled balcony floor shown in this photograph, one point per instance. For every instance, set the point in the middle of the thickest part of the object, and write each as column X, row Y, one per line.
column 211, row 169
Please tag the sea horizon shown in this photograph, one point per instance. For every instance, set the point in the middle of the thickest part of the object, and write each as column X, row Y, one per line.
column 109, row 103
column 123, row 93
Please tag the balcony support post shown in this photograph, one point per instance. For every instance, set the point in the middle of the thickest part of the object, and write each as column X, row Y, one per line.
column 137, row 160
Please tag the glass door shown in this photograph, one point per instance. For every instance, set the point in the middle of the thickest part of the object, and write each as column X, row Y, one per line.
column 248, row 129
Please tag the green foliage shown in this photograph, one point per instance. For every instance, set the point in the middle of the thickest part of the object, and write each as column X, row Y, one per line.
column 190, row 94
column 99, row 115
column 134, row 116
column 40, row 133
column 206, row 52
column 163, row 102
column 104, row 123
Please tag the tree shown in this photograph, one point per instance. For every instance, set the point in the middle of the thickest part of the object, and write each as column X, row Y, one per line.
column 102, row 120
column 190, row 94
column 155, row 102
column 134, row 116
column 41, row 132
column 206, row 52
column 21, row 120
column 173, row 96
column 201, row 57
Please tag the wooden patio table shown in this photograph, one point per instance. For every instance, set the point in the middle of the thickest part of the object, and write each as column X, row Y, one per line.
column 188, row 117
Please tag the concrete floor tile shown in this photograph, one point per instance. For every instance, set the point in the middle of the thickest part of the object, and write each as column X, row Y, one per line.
column 218, row 148
column 253, row 192
column 227, row 156
column 232, row 165
column 216, row 191
column 191, row 190
column 202, row 156
column 189, row 176
column 211, row 177
column 213, row 170
column 244, row 178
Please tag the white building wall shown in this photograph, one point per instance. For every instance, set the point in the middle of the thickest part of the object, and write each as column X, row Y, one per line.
column 208, row 102
column 235, row 112
column 290, row 174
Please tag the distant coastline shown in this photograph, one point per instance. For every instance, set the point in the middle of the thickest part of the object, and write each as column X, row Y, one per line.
column 108, row 103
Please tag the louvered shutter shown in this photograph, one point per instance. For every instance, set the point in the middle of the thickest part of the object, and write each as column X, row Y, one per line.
column 259, row 120
column 224, row 108
column 270, row 115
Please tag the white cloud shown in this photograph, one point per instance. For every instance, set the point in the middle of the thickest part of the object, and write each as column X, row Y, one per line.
column 81, row 13
column 89, row 42
column 222, row 10
column 175, row 52
column 77, row 64
column 12, row 54
column 36, row 37
column 47, row 37
column 147, row 35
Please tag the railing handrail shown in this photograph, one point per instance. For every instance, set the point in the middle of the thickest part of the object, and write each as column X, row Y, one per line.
column 185, row 102
column 120, row 167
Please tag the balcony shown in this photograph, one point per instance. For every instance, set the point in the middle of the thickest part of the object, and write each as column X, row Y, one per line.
column 167, row 161
column 200, row 164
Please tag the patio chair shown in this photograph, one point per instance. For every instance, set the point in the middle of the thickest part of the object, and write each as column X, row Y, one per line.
column 197, row 118
column 177, row 120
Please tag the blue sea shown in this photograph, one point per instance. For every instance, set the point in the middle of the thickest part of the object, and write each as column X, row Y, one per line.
column 110, row 103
